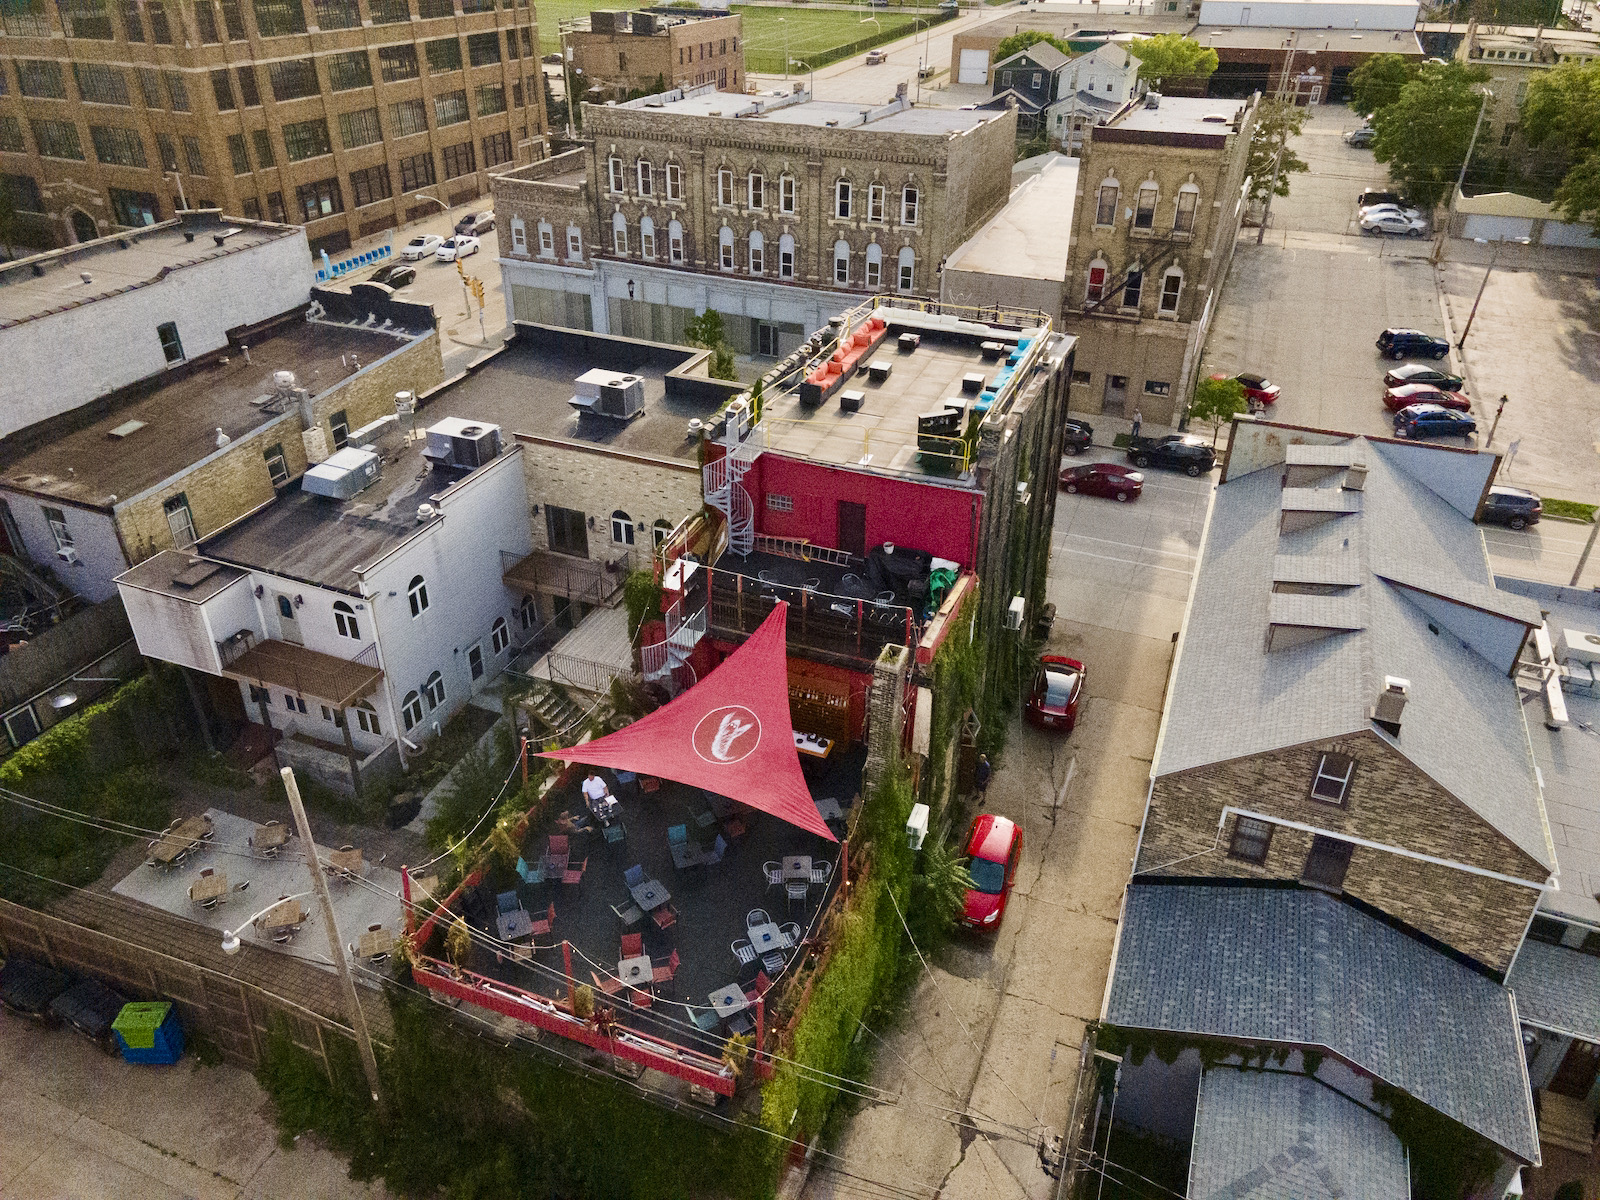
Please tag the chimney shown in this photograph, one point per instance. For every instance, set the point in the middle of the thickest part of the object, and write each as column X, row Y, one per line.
column 1355, row 477
column 1391, row 704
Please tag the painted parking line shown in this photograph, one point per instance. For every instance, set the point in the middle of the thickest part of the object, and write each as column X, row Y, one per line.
column 1185, row 571
column 1121, row 542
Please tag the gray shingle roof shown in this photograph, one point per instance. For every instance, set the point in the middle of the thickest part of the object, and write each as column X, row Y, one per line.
column 1231, row 697
column 1304, row 968
column 1043, row 54
column 1270, row 1136
column 1558, row 988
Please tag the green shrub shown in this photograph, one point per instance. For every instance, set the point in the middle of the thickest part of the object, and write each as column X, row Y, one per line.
column 472, row 789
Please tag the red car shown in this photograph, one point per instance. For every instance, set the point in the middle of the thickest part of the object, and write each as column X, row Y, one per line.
column 1057, row 689
column 1258, row 389
column 1404, row 396
column 994, row 847
column 1104, row 479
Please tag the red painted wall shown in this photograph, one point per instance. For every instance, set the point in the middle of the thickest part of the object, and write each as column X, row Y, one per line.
column 919, row 516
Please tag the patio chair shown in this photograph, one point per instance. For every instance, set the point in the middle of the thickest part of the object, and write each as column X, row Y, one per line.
column 616, row 832
column 557, row 853
column 640, row 997
column 574, row 875
column 542, row 925
column 632, row 945
column 667, row 973
column 821, row 873
column 797, row 889
column 522, row 952
column 735, row 827
column 507, row 902
column 703, row 1019
column 772, row 962
column 634, row 875
column 677, row 835
column 702, row 814
column 649, row 783
column 774, row 873
column 744, row 952
column 791, row 934
column 756, row 916
column 629, row 916
column 665, row 917
column 718, row 849
column 607, row 986
column 530, row 875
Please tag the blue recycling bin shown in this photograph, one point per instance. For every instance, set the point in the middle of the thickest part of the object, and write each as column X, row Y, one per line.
column 148, row 1032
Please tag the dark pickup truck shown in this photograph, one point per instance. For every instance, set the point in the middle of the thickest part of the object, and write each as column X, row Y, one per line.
column 1176, row 452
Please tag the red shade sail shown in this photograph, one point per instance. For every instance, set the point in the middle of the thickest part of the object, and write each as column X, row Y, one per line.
column 730, row 734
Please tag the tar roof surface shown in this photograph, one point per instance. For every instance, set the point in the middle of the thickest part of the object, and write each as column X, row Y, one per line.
column 1300, row 967
column 1231, row 697
column 181, row 418
column 1030, row 237
column 819, row 112
column 1355, row 41
column 1181, row 114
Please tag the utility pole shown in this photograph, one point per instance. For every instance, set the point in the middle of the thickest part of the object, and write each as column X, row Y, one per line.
column 1493, row 258
column 341, row 964
column 1283, row 134
column 1504, row 400
column 1583, row 559
column 1472, row 144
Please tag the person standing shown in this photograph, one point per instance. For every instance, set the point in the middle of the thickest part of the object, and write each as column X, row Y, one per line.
column 980, row 776
column 1138, row 420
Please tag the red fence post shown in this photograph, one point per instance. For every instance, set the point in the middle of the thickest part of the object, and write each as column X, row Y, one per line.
column 405, row 892
column 566, row 965
column 761, row 1013
column 524, row 762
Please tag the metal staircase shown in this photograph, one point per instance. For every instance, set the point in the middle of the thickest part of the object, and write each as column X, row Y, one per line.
column 725, row 492
column 1153, row 259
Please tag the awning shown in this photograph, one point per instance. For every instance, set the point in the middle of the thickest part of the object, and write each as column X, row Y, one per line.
column 730, row 734
column 294, row 668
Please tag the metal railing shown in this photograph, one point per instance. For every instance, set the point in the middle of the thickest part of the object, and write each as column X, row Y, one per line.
column 846, row 627
column 587, row 580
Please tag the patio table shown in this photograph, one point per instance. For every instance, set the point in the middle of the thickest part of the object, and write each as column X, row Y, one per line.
column 345, row 863
column 813, row 745
column 375, row 942
column 182, row 838
column 208, row 887
column 729, row 1001
column 636, row 972
column 767, row 939
column 606, row 809
column 270, row 837
column 515, row 924
column 651, row 894
column 796, row 867
column 286, row 914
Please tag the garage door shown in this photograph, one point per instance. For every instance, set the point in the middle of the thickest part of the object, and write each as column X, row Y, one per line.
column 974, row 67
column 1497, row 229
column 1557, row 233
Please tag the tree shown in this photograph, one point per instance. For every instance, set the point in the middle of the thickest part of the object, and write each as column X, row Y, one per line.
column 1171, row 56
column 1276, row 122
column 1216, row 402
column 1021, row 41
column 706, row 332
column 1425, row 133
column 1376, row 83
column 1561, row 114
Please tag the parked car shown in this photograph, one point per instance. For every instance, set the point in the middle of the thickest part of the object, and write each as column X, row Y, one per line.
column 396, row 275
column 1080, row 436
column 27, row 987
column 90, row 1007
column 994, row 848
column 1418, row 373
column 1368, row 198
column 874, row 57
column 456, row 247
column 1258, row 389
column 1430, row 420
column 1104, row 479
column 1514, row 507
column 476, row 224
column 1177, row 452
column 1407, row 394
column 1387, row 206
column 420, row 246
column 1055, row 693
column 1392, row 220
column 1408, row 343
column 1360, row 138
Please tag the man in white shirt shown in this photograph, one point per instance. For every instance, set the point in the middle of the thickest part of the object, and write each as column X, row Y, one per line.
column 595, row 789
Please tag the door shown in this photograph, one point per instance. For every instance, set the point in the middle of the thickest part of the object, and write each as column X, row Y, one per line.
column 974, row 67
column 1327, row 863
column 1115, row 403
column 566, row 530
column 1244, row 15
column 1316, row 94
column 288, row 623
column 853, row 527
column 1576, row 1075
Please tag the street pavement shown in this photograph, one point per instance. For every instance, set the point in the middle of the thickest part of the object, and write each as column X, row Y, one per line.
column 992, row 1031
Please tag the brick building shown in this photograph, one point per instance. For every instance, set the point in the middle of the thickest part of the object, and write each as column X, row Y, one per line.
column 1160, row 203
column 623, row 52
column 771, row 210
column 335, row 114
column 1081, row 26
column 1253, row 58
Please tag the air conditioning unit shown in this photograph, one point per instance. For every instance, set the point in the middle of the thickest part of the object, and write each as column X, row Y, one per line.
column 1015, row 612
column 456, row 444
column 917, row 826
column 68, row 555
column 343, row 474
column 606, row 393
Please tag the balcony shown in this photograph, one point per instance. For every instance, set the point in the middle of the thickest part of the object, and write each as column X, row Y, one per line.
column 580, row 580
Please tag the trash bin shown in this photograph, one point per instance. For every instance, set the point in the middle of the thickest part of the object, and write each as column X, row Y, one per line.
column 148, row 1032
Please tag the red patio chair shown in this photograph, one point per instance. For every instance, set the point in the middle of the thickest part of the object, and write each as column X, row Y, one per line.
column 640, row 997
column 664, row 917
column 759, row 988
column 607, row 985
column 542, row 924
column 575, row 874
column 632, row 945
column 667, row 973
column 649, row 783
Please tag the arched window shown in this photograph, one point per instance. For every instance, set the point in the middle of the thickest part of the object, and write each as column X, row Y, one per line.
column 621, row 528
column 344, row 620
column 433, row 691
column 661, row 531
column 1095, row 291
column 1171, row 289
column 1144, row 211
column 367, row 718
column 526, row 613
column 725, row 242
column 758, row 253
column 519, row 236
column 499, row 635
column 1184, row 214
column 619, row 233
column 411, row 710
column 1105, row 209
column 417, row 595
column 874, row 265
column 547, row 240
column 646, row 177
column 647, row 237
column 841, row 262
column 675, row 241
column 786, row 257
column 908, row 269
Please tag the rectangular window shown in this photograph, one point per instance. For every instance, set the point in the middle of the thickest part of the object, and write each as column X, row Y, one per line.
column 786, row 195
column 758, row 191
column 909, row 201
column 192, row 157
column 57, row 139
column 841, row 199
column 416, row 172
column 1250, row 840
column 727, row 255
column 389, row 12
column 177, row 91
column 160, row 30
column 180, row 521
column 674, row 181
column 238, row 154
column 134, row 208
column 222, row 90
column 475, row 662
column 408, row 117
column 11, row 135
column 57, row 520
column 875, row 203
column 320, row 199
column 1507, row 134
column 233, row 19
column 275, row 208
column 398, row 62
column 566, row 530
column 1332, row 781
column 1105, row 212
column 359, row 128
column 614, row 175
column 1144, row 213
column 206, row 18
column 87, row 19
column 337, row 14
column 489, row 99
column 907, row 276
column 249, row 94
column 574, row 243
column 339, row 427
column 352, row 70
column 277, row 17
column 647, row 240
column 277, row 465
column 100, row 84
column 1131, row 286
column 874, row 271
column 1157, row 387
column 646, row 177
column 117, row 146
column 132, row 21
column 675, row 243
column 293, row 79
column 619, row 238
column 497, row 149
column 265, row 156
column 459, row 160
column 758, row 258
column 450, row 109
column 444, row 54
column 1171, row 286
column 841, row 268
column 1328, row 863
column 42, row 78
column 252, row 208
column 20, row 22
column 371, row 185
column 547, row 242
column 785, row 262
column 306, row 139
column 725, row 189
column 149, row 87
column 483, row 49
column 777, row 502
column 1183, row 218
column 428, row 9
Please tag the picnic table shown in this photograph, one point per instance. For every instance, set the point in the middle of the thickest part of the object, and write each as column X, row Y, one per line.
column 286, row 914
column 375, row 942
column 637, row 971
column 270, row 837
column 650, row 895
column 515, row 924
column 180, row 839
column 797, row 868
column 209, row 888
column 813, row 745
column 346, row 863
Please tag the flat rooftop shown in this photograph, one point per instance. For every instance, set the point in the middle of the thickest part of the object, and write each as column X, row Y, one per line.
column 781, row 108
column 1079, row 21
column 1349, row 41
column 1031, row 236
column 44, row 283
column 1180, row 114
column 138, row 445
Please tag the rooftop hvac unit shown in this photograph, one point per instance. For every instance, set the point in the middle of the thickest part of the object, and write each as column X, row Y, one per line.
column 455, row 444
column 342, row 475
column 608, row 394
column 644, row 23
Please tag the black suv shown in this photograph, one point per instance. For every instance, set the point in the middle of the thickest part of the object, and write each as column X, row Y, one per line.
column 1177, row 452
column 1514, row 507
column 1079, row 437
column 1411, row 343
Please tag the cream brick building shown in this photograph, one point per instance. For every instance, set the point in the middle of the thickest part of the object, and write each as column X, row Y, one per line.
column 624, row 52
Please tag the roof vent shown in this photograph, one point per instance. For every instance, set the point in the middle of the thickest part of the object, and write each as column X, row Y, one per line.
column 1391, row 704
column 1152, row 99
column 86, row 277
column 1215, row 118
column 125, row 429
column 425, row 513
column 1355, row 477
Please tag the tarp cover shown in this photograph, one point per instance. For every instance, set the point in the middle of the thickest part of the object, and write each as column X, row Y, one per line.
column 730, row 733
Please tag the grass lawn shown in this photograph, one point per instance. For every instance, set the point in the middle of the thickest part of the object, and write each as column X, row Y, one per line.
column 1571, row 510
column 813, row 36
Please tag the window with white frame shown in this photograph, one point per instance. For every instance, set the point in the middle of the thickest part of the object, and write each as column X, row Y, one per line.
column 786, row 257
column 841, row 262
column 660, row 532
column 574, row 243
column 1144, row 211
column 675, row 241
column 874, row 265
column 475, row 661
column 725, row 245
column 433, row 690
column 367, row 718
column 674, row 181
column 647, row 237
column 780, row 502
column 619, row 233
column 547, row 240
column 645, row 174
column 841, row 199
column 1188, row 202
column 1171, row 288
column 1105, row 211
column 875, row 195
column 910, row 199
column 725, row 188
column 1095, row 290
column 527, row 613
column 756, row 190
column 500, row 635
column 180, row 520
column 57, row 520
column 615, row 176
column 1332, row 782
column 908, row 268
column 344, row 620
column 519, row 236
column 621, row 528
column 758, row 253
column 411, row 710
column 417, row 595
column 788, row 196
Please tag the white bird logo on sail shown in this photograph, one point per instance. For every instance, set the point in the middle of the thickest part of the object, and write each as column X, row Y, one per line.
column 729, row 731
column 727, row 735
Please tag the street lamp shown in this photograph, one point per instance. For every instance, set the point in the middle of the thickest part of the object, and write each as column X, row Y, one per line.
column 811, row 87
column 230, row 937
column 1499, row 242
column 785, row 25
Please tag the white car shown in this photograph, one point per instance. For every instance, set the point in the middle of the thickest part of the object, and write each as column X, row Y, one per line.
column 456, row 247
column 420, row 247
column 1375, row 210
column 1393, row 222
